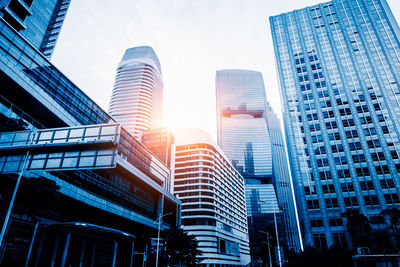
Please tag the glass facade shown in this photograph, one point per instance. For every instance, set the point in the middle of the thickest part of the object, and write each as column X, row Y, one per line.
column 250, row 135
column 283, row 182
column 39, row 21
column 136, row 100
column 339, row 69
column 240, row 107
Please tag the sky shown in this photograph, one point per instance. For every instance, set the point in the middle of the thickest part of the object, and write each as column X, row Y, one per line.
column 192, row 39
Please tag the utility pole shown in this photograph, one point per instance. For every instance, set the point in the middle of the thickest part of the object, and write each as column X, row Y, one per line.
column 158, row 233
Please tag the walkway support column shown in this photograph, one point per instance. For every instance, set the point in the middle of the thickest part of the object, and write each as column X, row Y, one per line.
column 65, row 250
column 31, row 244
column 114, row 258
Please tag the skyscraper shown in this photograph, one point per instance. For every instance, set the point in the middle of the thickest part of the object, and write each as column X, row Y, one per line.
column 339, row 70
column 282, row 181
column 39, row 21
column 255, row 150
column 240, row 107
column 136, row 100
column 213, row 199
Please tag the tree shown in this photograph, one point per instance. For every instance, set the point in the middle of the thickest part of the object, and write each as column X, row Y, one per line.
column 179, row 247
column 359, row 228
column 393, row 215
column 316, row 257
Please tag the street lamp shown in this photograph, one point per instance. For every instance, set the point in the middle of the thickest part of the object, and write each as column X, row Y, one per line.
column 276, row 232
column 158, row 234
column 269, row 251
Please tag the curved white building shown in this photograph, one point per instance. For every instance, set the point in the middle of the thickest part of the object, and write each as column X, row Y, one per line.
column 136, row 100
column 213, row 199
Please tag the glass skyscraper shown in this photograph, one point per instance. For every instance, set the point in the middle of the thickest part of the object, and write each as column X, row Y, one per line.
column 240, row 107
column 255, row 149
column 339, row 70
column 136, row 100
column 282, row 181
column 39, row 21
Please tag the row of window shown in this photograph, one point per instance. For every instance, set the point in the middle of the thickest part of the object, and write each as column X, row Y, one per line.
column 369, row 200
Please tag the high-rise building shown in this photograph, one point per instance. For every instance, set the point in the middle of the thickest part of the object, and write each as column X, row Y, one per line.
column 283, row 182
column 213, row 199
column 339, row 70
column 136, row 100
column 240, row 107
column 255, row 150
column 39, row 21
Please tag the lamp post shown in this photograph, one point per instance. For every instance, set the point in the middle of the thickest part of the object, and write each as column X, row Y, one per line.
column 269, row 251
column 277, row 238
column 158, row 234
column 276, row 232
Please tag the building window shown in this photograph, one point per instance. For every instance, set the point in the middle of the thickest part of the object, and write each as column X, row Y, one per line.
column 328, row 188
column 351, row 201
column 382, row 169
column 344, row 173
column 366, row 185
column 320, row 240
column 331, row 203
column 392, row 198
column 339, row 239
column 387, row 183
column 347, row 187
column 312, row 204
column 371, row 200
column 316, row 223
column 336, row 222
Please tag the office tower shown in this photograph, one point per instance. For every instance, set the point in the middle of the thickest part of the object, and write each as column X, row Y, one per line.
column 213, row 199
column 283, row 182
column 255, row 149
column 39, row 21
column 136, row 100
column 87, row 185
column 240, row 107
column 339, row 70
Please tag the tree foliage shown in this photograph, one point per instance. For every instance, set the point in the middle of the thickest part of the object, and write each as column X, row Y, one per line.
column 317, row 257
column 393, row 217
column 359, row 228
column 179, row 248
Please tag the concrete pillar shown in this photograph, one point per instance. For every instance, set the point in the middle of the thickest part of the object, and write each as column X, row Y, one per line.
column 114, row 258
column 65, row 250
column 39, row 251
column 132, row 251
column 82, row 252
column 55, row 249
column 31, row 244
column 93, row 256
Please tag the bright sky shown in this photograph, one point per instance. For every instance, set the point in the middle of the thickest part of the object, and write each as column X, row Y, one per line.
column 192, row 38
